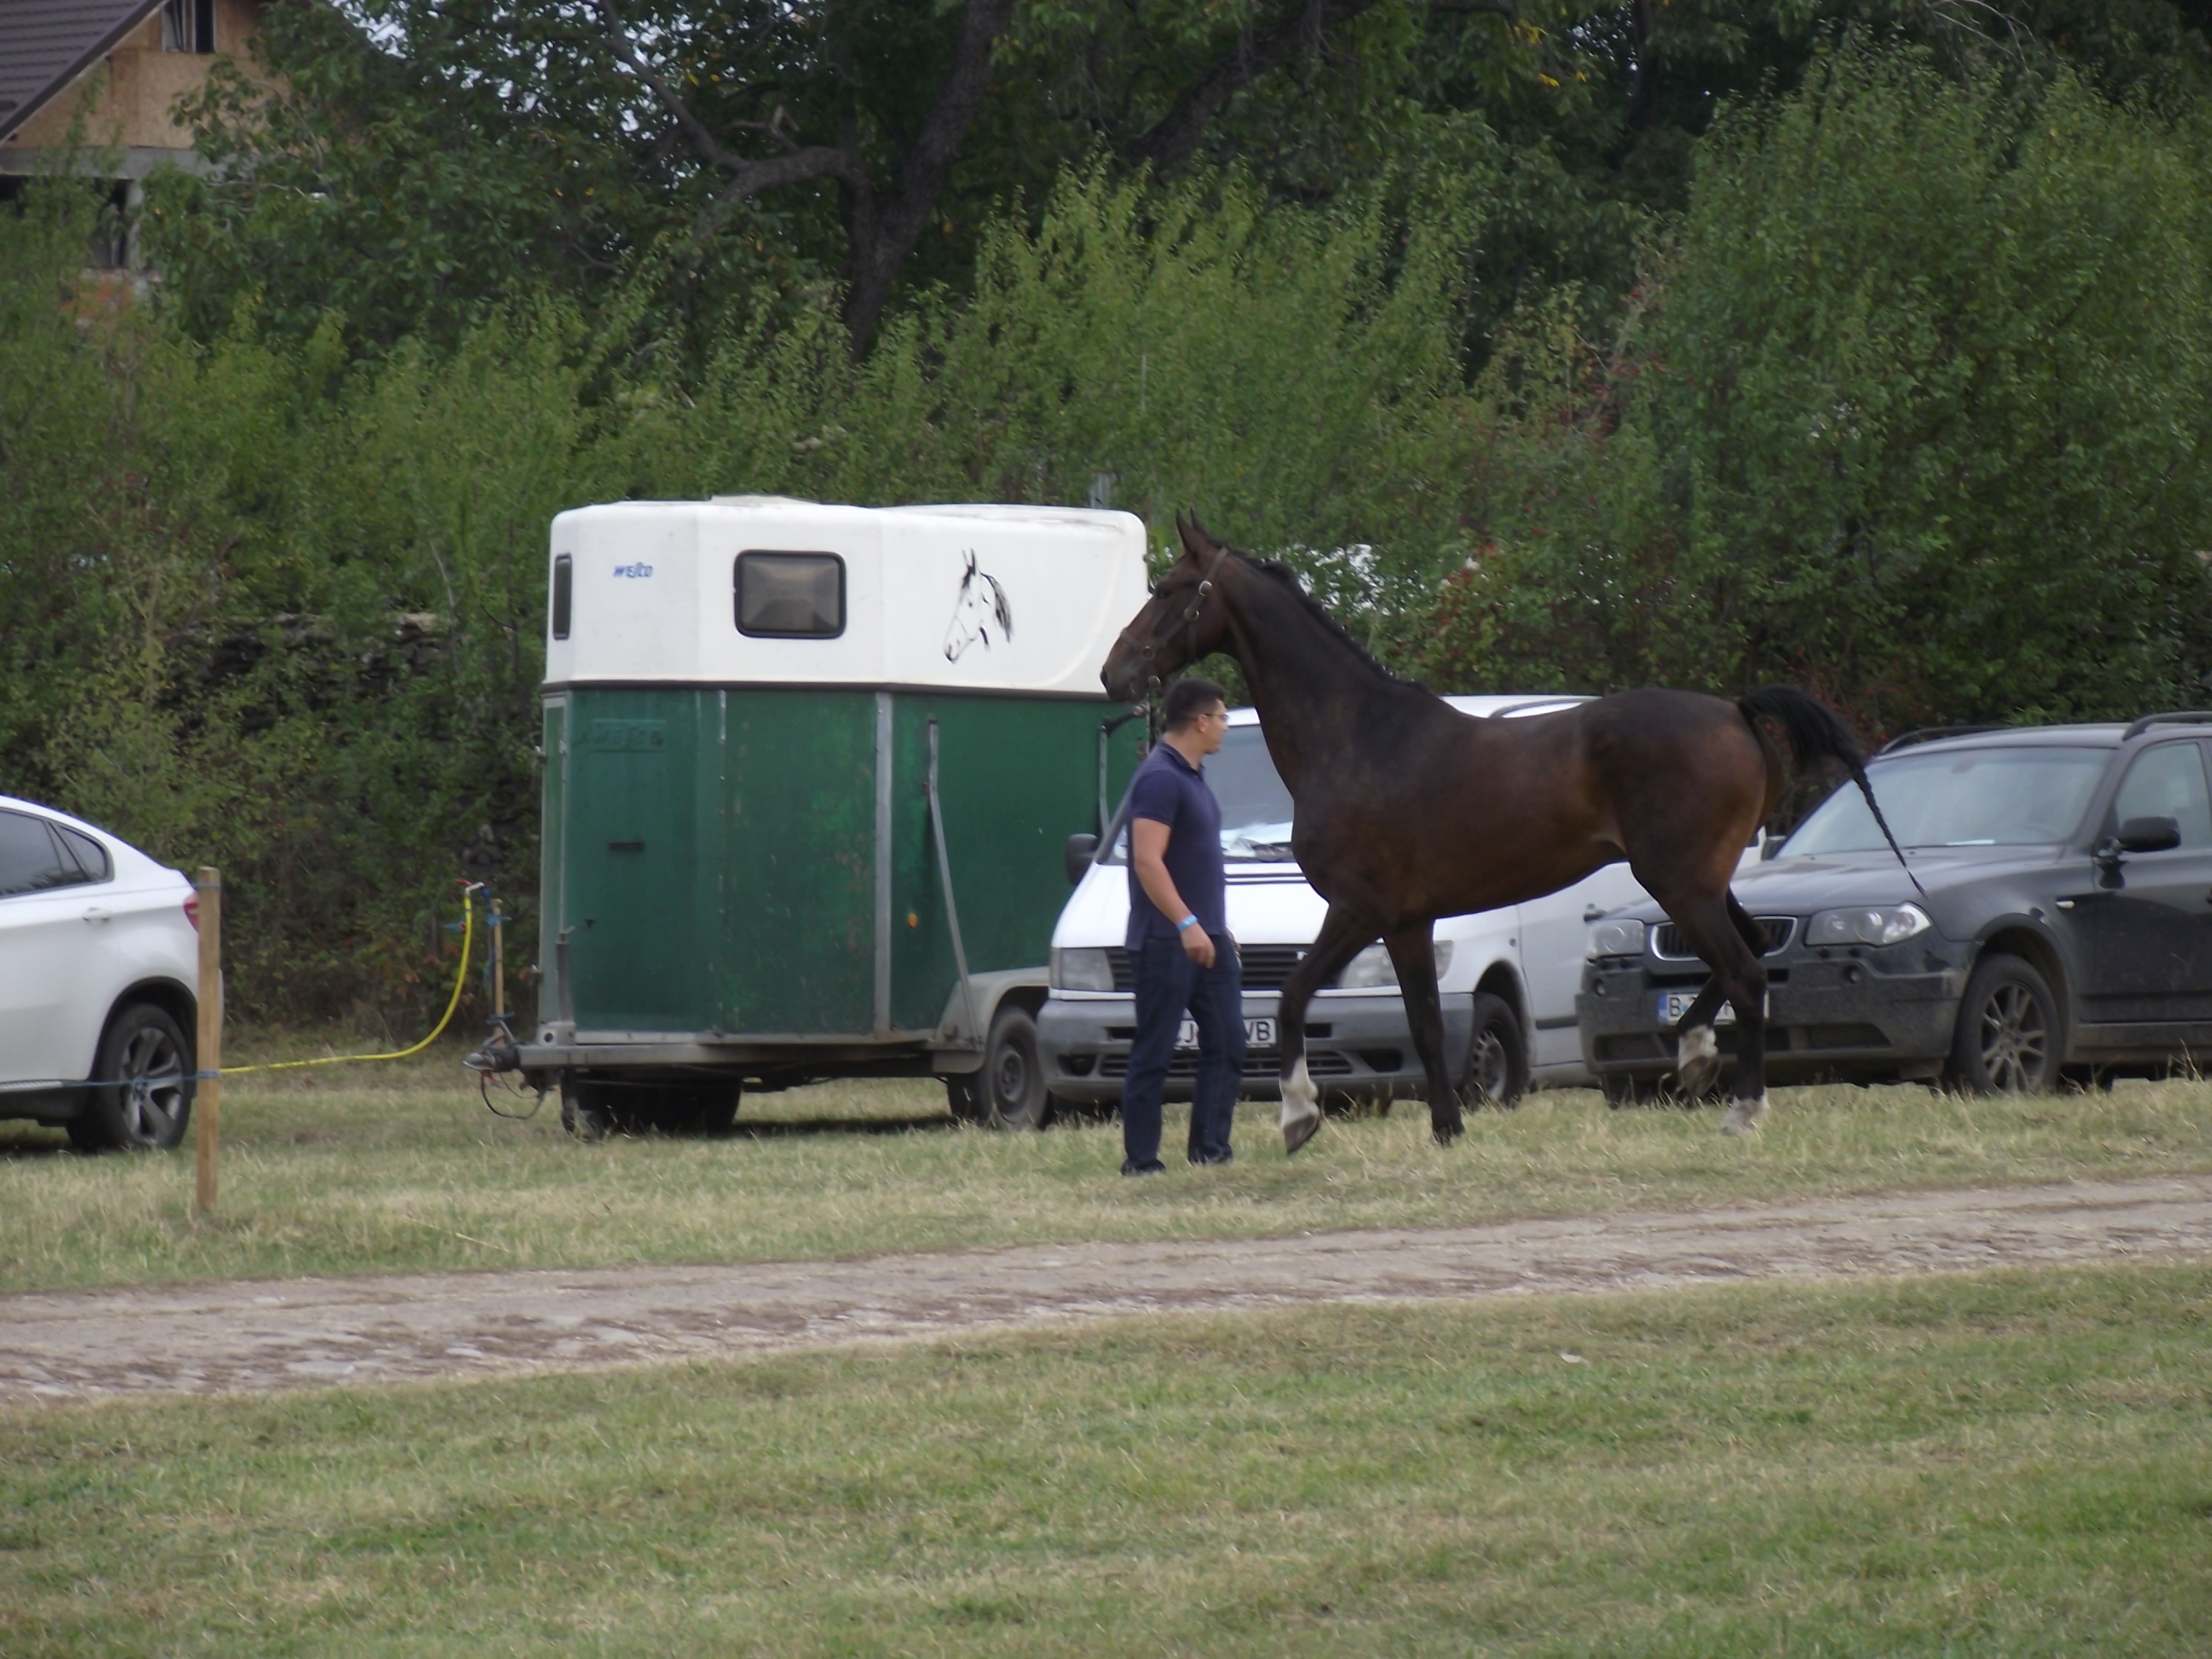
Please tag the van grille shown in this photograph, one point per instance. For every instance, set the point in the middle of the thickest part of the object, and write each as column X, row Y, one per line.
column 1258, row 1063
column 1668, row 946
column 1265, row 966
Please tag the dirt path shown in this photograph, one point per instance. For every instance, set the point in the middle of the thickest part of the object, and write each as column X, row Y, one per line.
column 254, row 1334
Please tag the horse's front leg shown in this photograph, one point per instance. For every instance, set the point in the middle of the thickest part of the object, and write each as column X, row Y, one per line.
column 1342, row 937
column 1413, row 954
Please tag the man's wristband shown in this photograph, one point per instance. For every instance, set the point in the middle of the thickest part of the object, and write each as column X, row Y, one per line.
column 1188, row 922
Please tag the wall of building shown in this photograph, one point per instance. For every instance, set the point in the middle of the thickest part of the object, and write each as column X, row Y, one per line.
column 134, row 92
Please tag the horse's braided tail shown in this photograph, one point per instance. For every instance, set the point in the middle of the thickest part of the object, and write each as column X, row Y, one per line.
column 1817, row 731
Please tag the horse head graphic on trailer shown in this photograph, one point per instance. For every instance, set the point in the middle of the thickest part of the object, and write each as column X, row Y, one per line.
column 980, row 612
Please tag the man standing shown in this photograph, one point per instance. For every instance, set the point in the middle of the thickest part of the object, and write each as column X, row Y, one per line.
column 1178, row 936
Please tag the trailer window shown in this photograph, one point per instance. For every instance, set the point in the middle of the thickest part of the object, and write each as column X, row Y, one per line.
column 790, row 596
column 564, row 591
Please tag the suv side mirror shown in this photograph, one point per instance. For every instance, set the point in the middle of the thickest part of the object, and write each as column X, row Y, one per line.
column 1771, row 848
column 1081, row 849
column 2150, row 836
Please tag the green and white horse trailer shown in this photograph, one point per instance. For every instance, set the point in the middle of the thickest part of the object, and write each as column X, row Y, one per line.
column 810, row 776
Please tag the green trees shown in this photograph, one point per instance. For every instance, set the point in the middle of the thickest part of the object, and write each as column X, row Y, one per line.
column 1894, row 385
column 1915, row 414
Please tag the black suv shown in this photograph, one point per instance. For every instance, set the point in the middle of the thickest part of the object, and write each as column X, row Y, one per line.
column 2066, row 929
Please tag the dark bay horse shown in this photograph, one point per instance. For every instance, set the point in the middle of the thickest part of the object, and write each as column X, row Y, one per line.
column 1408, row 809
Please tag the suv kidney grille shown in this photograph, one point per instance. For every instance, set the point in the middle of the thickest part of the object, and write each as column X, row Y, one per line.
column 1667, row 942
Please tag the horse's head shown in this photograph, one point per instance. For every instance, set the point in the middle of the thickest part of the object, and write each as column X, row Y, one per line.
column 1183, row 621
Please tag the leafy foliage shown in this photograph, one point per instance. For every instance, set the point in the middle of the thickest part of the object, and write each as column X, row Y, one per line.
column 1915, row 413
column 1898, row 391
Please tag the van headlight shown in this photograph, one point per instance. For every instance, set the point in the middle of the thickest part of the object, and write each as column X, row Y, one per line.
column 1082, row 971
column 1887, row 924
column 1615, row 938
column 1372, row 970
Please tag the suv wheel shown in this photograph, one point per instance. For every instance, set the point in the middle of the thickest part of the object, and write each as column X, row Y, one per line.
column 2008, row 1041
column 1498, row 1057
column 147, row 1064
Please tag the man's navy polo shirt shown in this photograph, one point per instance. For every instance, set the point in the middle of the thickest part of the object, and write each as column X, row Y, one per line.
column 1168, row 789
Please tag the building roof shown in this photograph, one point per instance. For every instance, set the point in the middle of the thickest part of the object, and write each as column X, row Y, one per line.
column 44, row 44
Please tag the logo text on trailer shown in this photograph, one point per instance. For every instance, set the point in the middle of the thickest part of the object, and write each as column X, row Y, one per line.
column 641, row 570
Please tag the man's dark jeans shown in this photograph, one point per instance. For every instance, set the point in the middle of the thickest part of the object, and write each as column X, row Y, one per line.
column 1168, row 983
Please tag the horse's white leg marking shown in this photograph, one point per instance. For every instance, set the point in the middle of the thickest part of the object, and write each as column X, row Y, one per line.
column 1301, row 1114
column 1743, row 1116
column 1696, row 1060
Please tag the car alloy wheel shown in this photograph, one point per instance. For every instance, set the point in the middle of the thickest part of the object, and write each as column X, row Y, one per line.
column 2008, row 1038
column 147, row 1067
column 2015, row 1040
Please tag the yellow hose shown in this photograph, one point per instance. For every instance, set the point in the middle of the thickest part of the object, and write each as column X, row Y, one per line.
column 461, row 980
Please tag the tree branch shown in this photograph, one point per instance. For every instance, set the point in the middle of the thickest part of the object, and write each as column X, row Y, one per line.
column 747, row 177
column 879, row 240
column 1177, row 133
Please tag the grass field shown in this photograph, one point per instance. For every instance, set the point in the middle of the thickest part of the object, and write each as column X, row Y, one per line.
column 2013, row 1465
column 400, row 1167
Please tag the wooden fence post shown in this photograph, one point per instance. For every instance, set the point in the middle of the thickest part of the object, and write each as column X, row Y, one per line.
column 206, row 1103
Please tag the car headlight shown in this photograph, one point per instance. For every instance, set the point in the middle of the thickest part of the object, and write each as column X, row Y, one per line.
column 1885, row 924
column 1371, row 970
column 1082, row 971
column 1615, row 938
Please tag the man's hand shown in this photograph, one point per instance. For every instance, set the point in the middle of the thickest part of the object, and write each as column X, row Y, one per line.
column 1198, row 945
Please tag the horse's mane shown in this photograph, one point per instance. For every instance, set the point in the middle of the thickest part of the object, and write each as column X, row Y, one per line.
column 1320, row 613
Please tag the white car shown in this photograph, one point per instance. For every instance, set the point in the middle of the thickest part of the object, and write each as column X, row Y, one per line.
column 98, row 977
column 1507, row 977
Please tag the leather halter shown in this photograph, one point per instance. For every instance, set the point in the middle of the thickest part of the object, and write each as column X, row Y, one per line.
column 1189, row 618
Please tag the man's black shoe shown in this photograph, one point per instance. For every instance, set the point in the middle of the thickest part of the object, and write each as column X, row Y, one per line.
column 1154, row 1168
column 1225, row 1157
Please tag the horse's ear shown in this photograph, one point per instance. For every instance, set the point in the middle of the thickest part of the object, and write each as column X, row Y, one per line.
column 1197, row 545
column 971, row 562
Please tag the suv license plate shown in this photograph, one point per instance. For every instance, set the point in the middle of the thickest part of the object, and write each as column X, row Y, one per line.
column 1258, row 1034
column 1673, row 1004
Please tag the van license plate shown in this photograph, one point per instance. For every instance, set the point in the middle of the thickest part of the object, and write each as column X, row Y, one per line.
column 1258, row 1034
column 1673, row 1004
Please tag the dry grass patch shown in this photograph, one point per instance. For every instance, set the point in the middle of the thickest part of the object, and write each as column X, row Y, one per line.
column 400, row 1167
column 2011, row 1465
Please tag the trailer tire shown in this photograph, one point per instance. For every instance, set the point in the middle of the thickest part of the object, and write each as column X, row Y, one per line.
column 584, row 1112
column 703, row 1110
column 1010, row 1085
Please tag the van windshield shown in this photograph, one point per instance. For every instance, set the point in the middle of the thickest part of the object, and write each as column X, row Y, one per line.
column 1255, row 807
column 1993, row 797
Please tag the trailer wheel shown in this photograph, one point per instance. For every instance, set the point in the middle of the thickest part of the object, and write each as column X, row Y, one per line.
column 964, row 1097
column 1011, row 1082
column 584, row 1111
column 698, row 1108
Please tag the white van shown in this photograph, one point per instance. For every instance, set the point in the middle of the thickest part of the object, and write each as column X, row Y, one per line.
column 1508, row 976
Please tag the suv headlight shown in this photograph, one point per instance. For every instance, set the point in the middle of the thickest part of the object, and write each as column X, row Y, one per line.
column 1372, row 970
column 1615, row 938
column 1082, row 971
column 1887, row 924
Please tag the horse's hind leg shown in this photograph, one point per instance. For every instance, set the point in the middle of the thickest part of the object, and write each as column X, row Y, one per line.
column 1341, row 938
column 1717, row 929
column 1413, row 954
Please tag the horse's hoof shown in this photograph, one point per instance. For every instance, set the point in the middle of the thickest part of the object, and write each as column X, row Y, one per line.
column 1696, row 1061
column 1743, row 1116
column 1298, row 1131
column 1445, row 1133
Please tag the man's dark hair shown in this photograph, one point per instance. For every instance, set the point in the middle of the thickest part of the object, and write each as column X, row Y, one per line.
column 1187, row 700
